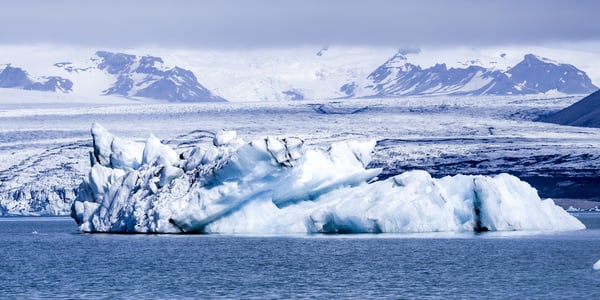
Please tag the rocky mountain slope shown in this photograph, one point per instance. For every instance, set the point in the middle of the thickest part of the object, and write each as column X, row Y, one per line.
column 585, row 113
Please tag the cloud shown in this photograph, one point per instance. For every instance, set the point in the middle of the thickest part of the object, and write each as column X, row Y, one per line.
column 274, row 23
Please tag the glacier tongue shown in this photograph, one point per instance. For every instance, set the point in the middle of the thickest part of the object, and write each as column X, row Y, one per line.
column 279, row 185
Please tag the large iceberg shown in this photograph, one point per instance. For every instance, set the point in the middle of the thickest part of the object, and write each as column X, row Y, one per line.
column 280, row 185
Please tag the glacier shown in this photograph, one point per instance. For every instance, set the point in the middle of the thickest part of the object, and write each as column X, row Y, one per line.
column 275, row 185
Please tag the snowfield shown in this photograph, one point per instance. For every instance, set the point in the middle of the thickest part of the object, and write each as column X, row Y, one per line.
column 45, row 142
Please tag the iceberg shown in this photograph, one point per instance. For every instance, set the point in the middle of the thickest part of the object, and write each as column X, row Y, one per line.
column 278, row 185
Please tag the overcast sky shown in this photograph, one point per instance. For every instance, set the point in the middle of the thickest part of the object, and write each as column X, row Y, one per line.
column 283, row 23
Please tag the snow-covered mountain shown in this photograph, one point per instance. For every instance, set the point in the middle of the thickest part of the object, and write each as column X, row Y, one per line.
column 585, row 113
column 303, row 73
column 15, row 77
column 537, row 74
column 113, row 73
column 147, row 76
column 533, row 75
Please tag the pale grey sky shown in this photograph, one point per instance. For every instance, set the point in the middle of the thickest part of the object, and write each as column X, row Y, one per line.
column 282, row 23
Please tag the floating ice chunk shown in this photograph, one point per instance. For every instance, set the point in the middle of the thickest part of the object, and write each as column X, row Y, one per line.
column 596, row 265
column 276, row 185
column 573, row 209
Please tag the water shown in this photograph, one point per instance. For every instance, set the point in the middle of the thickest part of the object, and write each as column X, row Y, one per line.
column 48, row 258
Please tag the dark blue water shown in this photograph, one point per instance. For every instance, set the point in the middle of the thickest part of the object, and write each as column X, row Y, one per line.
column 48, row 258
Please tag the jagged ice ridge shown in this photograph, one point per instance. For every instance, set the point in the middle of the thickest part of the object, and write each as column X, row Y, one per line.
column 279, row 185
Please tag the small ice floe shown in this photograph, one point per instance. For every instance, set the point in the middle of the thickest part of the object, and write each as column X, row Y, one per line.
column 597, row 266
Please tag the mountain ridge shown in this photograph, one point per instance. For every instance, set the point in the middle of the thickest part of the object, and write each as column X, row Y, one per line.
column 147, row 76
column 15, row 77
column 398, row 77
column 330, row 73
column 584, row 113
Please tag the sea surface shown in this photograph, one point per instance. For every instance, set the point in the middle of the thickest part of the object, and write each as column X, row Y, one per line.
column 49, row 258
